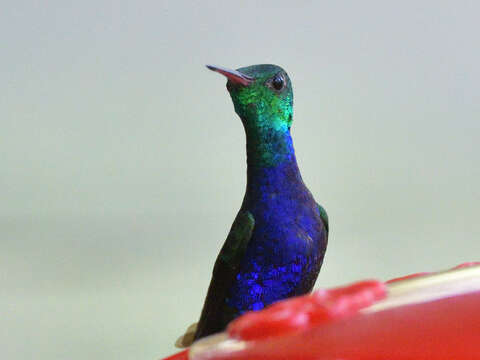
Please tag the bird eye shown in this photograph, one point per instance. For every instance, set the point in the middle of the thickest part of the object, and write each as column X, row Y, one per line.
column 278, row 82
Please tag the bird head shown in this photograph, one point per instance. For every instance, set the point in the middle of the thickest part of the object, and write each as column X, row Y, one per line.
column 262, row 96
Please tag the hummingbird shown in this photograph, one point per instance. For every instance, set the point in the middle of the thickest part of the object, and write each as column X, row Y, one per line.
column 276, row 245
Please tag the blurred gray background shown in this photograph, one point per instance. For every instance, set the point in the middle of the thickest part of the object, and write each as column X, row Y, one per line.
column 123, row 164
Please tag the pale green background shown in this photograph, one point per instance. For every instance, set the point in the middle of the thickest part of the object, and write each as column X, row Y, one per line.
column 123, row 165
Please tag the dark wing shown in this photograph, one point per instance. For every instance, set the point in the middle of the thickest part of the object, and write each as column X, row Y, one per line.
column 215, row 314
column 324, row 217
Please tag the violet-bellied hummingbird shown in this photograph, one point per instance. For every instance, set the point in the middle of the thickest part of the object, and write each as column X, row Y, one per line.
column 277, row 242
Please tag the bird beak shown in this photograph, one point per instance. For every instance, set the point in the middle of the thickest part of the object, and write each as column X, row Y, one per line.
column 233, row 75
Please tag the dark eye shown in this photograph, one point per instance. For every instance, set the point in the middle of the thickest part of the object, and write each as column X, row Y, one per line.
column 278, row 82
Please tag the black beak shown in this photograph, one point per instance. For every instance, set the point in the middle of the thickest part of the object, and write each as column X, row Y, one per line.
column 233, row 75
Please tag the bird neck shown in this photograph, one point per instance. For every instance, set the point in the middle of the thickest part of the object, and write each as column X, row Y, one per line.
column 270, row 152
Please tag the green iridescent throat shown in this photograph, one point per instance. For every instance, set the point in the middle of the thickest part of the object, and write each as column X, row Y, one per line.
column 268, row 148
column 267, row 116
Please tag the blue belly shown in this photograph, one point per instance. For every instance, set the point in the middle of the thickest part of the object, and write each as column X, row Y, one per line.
column 288, row 243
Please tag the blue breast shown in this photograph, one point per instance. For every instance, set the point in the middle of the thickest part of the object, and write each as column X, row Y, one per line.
column 288, row 243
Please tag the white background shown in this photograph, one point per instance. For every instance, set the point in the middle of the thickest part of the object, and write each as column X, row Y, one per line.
column 122, row 163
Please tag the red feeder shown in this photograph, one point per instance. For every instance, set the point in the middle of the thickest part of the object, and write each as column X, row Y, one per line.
column 433, row 316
